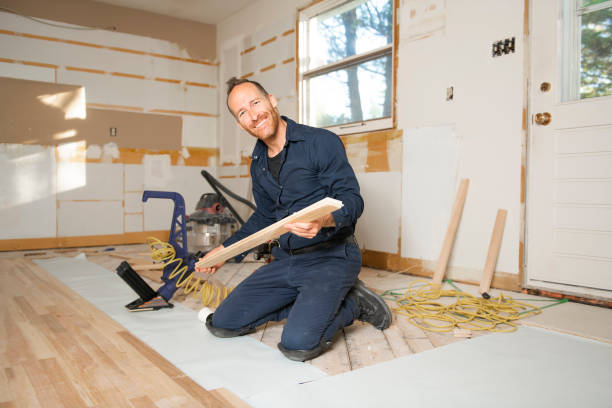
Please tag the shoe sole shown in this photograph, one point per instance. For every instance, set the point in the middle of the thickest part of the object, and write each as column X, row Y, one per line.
column 387, row 321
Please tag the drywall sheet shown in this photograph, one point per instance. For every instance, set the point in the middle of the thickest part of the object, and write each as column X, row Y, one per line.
column 133, row 222
column 45, row 113
column 134, row 177
column 199, row 131
column 422, row 19
column 185, row 180
column 158, row 214
column 97, row 181
column 179, row 35
column 27, row 191
column 429, row 180
column 243, row 365
column 378, row 227
column 76, row 218
column 188, row 182
column 132, row 202
column 29, row 72
column 531, row 367
column 157, row 171
column 229, row 132
column 198, row 99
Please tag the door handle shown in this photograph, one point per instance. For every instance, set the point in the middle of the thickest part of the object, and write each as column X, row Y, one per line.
column 543, row 118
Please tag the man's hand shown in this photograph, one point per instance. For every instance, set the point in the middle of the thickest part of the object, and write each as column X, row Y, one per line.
column 310, row 229
column 211, row 269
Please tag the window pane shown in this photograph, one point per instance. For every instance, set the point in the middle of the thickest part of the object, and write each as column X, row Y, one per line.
column 596, row 54
column 353, row 28
column 351, row 94
column 586, row 3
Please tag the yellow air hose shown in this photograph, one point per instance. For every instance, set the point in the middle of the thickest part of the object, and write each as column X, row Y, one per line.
column 210, row 294
column 420, row 303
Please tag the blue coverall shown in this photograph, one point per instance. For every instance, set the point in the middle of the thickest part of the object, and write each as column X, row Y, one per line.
column 307, row 289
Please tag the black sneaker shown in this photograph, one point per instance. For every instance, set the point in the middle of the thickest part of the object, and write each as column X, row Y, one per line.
column 372, row 307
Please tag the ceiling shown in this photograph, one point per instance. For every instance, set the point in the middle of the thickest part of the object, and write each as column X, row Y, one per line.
column 203, row 11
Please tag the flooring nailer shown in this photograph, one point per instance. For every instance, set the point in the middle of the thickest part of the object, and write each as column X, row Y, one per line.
column 191, row 237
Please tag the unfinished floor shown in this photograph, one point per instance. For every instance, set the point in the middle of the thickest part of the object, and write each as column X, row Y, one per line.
column 58, row 350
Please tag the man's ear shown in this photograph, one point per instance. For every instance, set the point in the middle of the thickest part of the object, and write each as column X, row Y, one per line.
column 273, row 100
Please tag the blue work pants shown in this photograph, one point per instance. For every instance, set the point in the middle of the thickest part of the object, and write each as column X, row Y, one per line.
column 306, row 289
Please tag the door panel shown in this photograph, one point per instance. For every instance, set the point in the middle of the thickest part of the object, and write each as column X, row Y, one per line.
column 569, row 202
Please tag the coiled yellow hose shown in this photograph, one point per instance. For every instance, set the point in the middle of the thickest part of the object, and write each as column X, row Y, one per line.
column 210, row 294
column 468, row 312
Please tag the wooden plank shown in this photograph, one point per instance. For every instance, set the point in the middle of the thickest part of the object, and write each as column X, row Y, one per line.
column 415, row 338
column 21, row 386
column 310, row 213
column 142, row 402
column 272, row 333
column 164, row 365
column 208, row 399
column 56, row 349
column 336, row 359
column 62, row 384
column 366, row 345
column 148, row 267
column 45, row 392
column 492, row 254
column 397, row 340
column 155, row 276
column 228, row 399
column 451, row 231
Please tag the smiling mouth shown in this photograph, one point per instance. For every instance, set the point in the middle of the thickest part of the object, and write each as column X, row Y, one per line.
column 260, row 124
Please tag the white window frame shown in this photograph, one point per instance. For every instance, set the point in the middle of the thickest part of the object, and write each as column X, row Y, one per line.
column 303, row 73
column 570, row 45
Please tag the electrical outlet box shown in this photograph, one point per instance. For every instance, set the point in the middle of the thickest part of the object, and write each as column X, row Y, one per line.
column 503, row 47
column 113, row 131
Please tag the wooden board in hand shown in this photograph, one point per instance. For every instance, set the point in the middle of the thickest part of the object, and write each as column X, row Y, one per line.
column 310, row 213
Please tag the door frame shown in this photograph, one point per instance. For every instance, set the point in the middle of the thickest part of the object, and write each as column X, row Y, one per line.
column 583, row 294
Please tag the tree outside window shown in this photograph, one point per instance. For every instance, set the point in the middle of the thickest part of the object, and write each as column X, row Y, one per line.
column 346, row 64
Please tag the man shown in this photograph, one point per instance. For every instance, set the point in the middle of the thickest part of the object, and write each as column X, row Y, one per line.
column 312, row 281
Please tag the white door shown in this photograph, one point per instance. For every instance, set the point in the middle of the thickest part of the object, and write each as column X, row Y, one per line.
column 569, row 191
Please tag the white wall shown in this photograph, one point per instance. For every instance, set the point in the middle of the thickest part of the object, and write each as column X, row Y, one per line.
column 442, row 43
column 486, row 120
column 477, row 135
column 72, row 197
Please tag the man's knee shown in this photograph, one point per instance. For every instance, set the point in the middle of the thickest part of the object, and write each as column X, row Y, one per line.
column 303, row 355
column 299, row 339
column 219, row 331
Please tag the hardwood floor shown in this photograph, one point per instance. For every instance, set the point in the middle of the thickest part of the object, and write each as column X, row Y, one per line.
column 56, row 349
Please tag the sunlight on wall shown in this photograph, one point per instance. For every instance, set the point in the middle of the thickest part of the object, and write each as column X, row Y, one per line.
column 65, row 135
column 71, row 166
column 71, row 103
column 25, row 174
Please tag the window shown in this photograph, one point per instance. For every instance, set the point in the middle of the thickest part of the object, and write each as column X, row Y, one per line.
column 587, row 68
column 346, row 65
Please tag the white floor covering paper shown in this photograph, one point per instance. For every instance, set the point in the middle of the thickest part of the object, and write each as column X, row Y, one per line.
column 531, row 367
column 243, row 365
column 528, row 368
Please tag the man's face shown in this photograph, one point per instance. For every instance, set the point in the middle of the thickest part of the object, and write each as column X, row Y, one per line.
column 254, row 111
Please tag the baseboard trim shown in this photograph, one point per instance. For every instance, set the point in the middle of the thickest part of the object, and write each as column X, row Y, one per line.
column 416, row 267
column 81, row 241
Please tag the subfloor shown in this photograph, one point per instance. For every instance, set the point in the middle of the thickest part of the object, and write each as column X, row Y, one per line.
column 50, row 336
